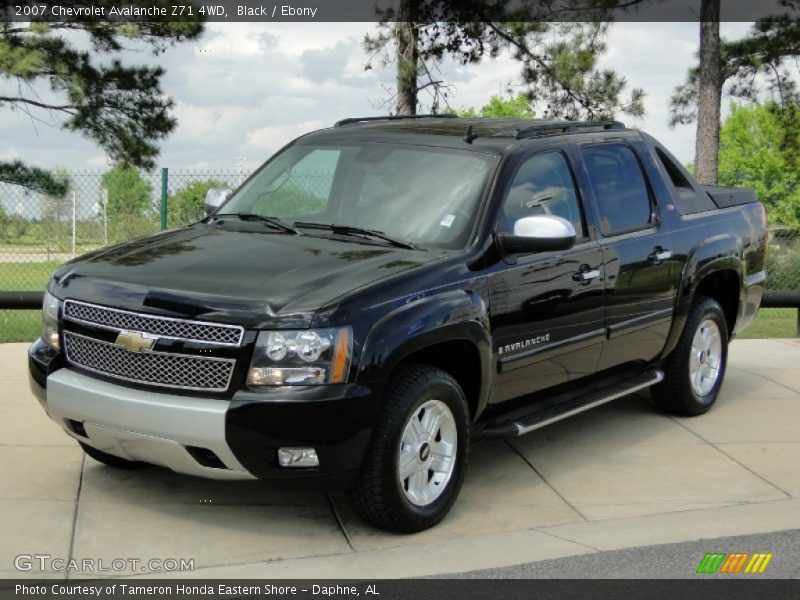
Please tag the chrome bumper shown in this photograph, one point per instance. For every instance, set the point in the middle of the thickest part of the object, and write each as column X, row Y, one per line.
column 141, row 425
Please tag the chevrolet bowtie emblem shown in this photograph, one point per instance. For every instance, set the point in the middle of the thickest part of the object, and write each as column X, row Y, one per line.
column 134, row 341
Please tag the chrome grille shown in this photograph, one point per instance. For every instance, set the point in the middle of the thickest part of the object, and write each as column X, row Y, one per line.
column 167, row 327
column 151, row 368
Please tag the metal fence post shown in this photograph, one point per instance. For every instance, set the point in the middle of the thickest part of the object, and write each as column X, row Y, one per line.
column 105, row 216
column 74, row 211
column 164, row 188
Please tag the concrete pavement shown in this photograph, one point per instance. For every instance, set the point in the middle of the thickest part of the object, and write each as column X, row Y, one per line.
column 618, row 477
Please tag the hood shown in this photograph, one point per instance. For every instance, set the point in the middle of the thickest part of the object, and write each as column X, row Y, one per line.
column 251, row 276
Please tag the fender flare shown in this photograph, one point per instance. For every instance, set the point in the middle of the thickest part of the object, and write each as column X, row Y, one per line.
column 443, row 317
column 719, row 253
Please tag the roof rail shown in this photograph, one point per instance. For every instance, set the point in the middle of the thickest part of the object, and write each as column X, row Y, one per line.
column 352, row 120
column 568, row 127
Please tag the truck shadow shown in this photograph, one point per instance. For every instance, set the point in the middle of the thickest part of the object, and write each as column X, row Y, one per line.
column 621, row 459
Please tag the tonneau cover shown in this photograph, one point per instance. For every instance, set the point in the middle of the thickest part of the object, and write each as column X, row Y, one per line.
column 725, row 197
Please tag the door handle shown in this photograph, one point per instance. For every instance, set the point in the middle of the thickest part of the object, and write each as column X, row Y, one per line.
column 586, row 274
column 659, row 254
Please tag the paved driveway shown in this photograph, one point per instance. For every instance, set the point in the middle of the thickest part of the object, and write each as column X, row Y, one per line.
column 617, row 477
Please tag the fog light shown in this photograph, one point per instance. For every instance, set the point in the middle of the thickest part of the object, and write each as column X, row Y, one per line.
column 298, row 457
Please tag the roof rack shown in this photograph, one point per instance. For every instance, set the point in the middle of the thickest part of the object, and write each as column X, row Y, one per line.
column 568, row 127
column 352, row 120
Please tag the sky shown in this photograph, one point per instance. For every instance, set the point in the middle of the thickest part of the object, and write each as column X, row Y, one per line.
column 245, row 89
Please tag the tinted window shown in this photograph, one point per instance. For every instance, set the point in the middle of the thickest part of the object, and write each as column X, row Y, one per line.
column 301, row 191
column 687, row 199
column 543, row 185
column 675, row 175
column 422, row 195
column 623, row 200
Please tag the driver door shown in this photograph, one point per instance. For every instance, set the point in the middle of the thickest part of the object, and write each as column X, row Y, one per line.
column 546, row 308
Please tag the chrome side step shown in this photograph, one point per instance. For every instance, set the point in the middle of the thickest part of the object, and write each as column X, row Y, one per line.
column 541, row 418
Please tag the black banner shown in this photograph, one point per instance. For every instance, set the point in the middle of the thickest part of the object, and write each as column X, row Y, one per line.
column 389, row 10
column 409, row 589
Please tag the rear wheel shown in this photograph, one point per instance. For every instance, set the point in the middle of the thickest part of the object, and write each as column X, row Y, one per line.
column 415, row 464
column 696, row 367
column 111, row 460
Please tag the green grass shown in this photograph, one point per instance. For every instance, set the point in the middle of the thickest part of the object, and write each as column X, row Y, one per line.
column 20, row 325
column 26, row 276
column 772, row 323
column 23, row 325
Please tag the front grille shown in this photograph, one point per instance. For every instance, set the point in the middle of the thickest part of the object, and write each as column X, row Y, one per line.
column 151, row 368
column 166, row 327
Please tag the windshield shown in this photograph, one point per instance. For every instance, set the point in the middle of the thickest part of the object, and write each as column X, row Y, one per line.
column 421, row 195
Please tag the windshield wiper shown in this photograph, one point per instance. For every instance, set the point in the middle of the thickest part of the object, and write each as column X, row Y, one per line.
column 271, row 221
column 358, row 231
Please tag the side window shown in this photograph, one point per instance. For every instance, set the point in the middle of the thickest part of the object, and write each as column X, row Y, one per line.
column 623, row 199
column 675, row 175
column 543, row 185
column 688, row 200
column 303, row 191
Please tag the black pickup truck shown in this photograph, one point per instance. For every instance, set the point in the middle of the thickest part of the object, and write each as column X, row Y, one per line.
column 384, row 292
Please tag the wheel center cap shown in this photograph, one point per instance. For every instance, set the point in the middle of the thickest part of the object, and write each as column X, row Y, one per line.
column 424, row 452
column 702, row 357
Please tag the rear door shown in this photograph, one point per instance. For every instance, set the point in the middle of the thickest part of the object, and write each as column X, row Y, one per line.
column 546, row 308
column 640, row 274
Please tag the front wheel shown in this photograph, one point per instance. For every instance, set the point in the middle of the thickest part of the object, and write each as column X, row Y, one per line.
column 696, row 367
column 416, row 460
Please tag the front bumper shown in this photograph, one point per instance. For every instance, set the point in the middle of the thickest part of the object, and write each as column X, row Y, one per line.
column 146, row 426
column 210, row 437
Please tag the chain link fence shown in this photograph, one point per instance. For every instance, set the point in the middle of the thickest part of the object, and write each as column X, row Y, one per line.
column 39, row 232
column 779, row 316
column 783, row 259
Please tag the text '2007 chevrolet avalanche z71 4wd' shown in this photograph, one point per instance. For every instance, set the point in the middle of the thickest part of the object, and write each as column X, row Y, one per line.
column 382, row 292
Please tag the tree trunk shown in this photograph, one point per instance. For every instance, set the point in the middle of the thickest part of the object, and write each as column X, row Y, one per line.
column 709, row 97
column 407, row 58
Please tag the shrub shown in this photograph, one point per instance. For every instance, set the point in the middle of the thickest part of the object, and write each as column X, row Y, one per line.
column 783, row 265
column 186, row 205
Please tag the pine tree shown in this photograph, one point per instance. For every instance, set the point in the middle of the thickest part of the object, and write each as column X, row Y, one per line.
column 740, row 64
column 558, row 74
column 511, row 107
column 119, row 106
column 709, row 94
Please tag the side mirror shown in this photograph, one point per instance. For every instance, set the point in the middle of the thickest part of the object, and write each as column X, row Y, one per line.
column 539, row 233
column 214, row 199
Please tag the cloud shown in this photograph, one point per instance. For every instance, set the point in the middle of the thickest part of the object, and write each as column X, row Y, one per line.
column 271, row 138
column 326, row 63
column 341, row 64
column 236, row 40
column 97, row 162
column 245, row 89
column 9, row 153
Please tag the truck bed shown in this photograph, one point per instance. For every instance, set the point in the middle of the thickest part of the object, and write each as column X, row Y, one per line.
column 725, row 197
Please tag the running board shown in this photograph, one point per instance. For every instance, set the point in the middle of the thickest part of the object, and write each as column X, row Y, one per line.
column 543, row 417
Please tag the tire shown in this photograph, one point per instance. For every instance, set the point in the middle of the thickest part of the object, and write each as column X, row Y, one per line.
column 695, row 369
column 424, row 410
column 111, row 460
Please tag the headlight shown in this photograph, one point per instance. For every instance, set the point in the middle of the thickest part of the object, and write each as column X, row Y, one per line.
column 50, row 320
column 307, row 357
